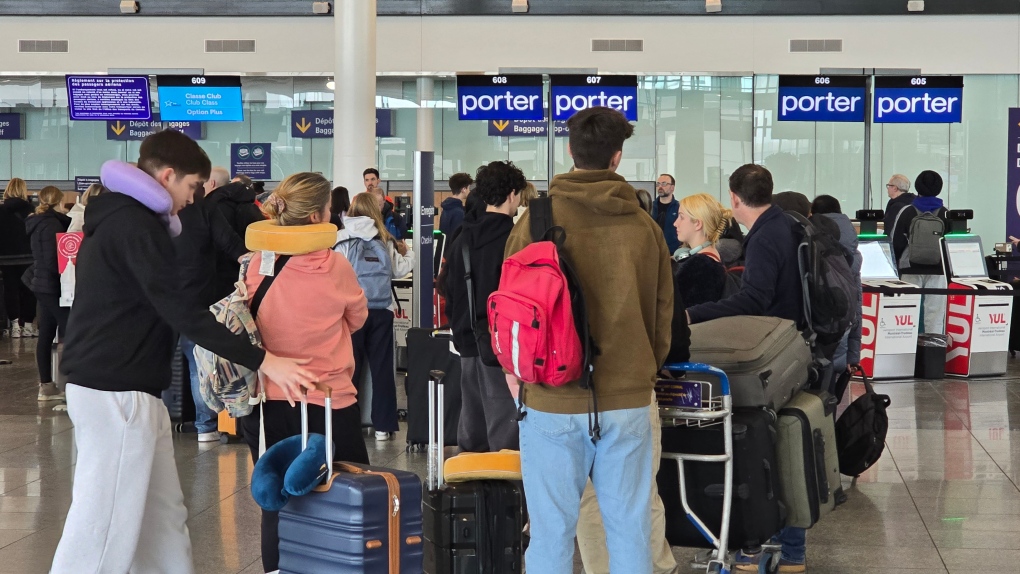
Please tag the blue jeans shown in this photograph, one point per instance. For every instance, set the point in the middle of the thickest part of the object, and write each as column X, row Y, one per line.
column 205, row 417
column 794, row 541
column 558, row 457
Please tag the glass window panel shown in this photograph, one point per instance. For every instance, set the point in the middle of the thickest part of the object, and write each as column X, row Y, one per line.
column 88, row 147
column 736, row 132
column 976, row 175
column 787, row 149
column 466, row 144
column 839, row 164
column 43, row 152
column 5, row 159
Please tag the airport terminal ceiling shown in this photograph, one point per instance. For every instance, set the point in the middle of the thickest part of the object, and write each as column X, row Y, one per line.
column 497, row 7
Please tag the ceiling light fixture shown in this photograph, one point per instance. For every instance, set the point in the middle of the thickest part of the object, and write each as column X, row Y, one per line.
column 128, row 7
column 519, row 6
column 713, row 6
column 322, row 8
column 915, row 5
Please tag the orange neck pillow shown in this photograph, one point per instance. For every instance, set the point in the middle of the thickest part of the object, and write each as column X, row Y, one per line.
column 291, row 239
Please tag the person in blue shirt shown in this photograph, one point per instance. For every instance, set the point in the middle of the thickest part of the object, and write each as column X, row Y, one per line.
column 666, row 209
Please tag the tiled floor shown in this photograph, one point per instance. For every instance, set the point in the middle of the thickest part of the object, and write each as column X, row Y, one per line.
column 944, row 498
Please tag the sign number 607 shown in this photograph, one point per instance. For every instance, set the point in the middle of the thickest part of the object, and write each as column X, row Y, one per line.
column 594, row 79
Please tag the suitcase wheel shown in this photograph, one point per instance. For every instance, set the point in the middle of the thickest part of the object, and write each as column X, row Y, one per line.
column 416, row 447
column 402, row 414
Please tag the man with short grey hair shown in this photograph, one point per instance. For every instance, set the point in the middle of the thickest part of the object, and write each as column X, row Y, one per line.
column 898, row 190
column 218, row 177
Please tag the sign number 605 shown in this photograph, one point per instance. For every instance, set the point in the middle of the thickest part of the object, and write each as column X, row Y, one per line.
column 918, row 81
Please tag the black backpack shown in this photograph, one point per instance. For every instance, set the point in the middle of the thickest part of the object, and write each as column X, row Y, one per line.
column 828, row 284
column 861, row 431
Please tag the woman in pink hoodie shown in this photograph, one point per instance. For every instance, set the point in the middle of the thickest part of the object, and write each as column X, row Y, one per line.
column 310, row 310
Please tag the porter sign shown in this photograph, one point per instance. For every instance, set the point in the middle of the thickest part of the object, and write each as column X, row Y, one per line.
column 918, row 99
column 573, row 93
column 506, row 97
column 822, row 98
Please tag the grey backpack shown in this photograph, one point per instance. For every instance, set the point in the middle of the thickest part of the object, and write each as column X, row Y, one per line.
column 923, row 239
column 371, row 261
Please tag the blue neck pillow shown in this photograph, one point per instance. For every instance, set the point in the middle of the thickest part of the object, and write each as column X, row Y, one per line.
column 285, row 470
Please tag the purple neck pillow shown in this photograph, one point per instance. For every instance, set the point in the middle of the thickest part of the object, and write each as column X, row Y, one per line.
column 121, row 177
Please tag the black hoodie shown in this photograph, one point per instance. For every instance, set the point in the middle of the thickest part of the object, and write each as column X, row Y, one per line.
column 486, row 234
column 13, row 237
column 128, row 305
column 205, row 236
column 42, row 233
column 237, row 204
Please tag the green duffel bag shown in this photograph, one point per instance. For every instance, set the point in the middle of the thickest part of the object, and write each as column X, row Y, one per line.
column 807, row 457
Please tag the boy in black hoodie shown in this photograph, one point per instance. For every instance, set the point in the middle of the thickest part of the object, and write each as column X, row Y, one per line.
column 487, row 416
column 127, row 513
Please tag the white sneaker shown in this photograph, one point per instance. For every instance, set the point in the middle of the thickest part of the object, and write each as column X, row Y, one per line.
column 209, row 437
column 383, row 436
column 15, row 331
column 50, row 392
column 29, row 331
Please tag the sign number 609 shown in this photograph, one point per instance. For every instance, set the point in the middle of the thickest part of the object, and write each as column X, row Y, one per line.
column 198, row 80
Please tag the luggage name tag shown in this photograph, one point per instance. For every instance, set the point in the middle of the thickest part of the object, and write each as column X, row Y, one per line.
column 268, row 265
column 678, row 394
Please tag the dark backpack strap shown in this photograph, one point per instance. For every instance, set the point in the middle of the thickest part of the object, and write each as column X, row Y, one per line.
column 465, row 252
column 260, row 293
column 540, row 212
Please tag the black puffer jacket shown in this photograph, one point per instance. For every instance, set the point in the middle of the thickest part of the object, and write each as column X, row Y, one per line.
column 205, row 236
column 42, row 233
column 13, row 237
column 237, row 204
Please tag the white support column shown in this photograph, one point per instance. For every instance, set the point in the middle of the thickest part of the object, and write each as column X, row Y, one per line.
column 354, row 96
column 426, row 115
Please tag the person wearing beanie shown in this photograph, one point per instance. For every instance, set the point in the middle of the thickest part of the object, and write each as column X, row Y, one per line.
column 928, row 186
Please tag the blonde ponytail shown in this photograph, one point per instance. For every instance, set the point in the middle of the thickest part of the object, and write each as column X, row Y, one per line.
column 297, row 199
column 714, row 218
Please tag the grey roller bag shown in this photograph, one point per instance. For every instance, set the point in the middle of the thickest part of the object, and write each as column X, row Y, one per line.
column 766, row 358
column 807, row 457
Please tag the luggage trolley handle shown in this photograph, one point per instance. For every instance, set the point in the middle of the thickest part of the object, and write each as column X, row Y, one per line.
column 328, row 391
column 437, row 434
column 724, row 381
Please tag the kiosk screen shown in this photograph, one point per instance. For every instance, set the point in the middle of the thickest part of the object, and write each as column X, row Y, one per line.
column 877, row 260
column 965, row 259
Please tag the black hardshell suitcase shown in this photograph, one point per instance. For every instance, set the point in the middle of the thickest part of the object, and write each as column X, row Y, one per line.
column 469, row 527
column 363, row 520
column 758, row 512
column 429, row 350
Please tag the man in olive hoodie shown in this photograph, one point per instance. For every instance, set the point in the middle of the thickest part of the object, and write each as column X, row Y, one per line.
column 623, row 267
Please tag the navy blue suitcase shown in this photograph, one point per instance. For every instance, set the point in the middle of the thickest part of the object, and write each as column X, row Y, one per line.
column 363, row 520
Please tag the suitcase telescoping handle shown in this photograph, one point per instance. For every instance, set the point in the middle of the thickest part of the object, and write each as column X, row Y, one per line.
column 328, row 391
column 724, row 381
column 437, row 436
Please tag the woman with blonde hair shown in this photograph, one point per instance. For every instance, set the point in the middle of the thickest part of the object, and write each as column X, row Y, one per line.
column 700, row 274
column 378, row 258
column 42, row 229
column 311, row 310
column 77, row 213
column 20, row 302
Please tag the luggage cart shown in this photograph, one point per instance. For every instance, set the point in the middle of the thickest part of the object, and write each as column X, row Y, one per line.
column 702, row 404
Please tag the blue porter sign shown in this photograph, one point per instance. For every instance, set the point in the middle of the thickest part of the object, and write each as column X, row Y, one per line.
column 573, row 93
column 822, row 98
column 505, row 97
column 918, row 99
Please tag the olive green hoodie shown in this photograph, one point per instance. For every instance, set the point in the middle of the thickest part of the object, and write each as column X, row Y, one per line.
column 621, row 260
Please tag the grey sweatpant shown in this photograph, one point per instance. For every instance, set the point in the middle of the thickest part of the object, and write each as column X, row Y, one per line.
column 487, row 412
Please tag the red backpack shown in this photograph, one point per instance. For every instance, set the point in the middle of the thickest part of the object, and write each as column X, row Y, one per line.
column 537, row 317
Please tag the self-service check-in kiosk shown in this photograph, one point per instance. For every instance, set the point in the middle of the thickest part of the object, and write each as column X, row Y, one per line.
column 888, row 322
column 978, row 326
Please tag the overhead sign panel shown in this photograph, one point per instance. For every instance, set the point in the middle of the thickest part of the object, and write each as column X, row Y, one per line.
column 12, row 127
column 139, row 130
column 918, row 99
column 200, row 98
column 315, row 124
column 1013, row 174
column 505, row 97
column 525, row 128
column 573, row 93
column 822, row 98
column 108, row 98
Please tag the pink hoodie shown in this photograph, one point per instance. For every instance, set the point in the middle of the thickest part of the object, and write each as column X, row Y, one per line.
column 310, row 311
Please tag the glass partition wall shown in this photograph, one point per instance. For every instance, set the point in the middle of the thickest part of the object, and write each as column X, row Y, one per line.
column 698, row 128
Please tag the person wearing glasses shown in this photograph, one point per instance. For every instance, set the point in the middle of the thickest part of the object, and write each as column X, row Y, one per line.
column 898, row 190
column 666, row 209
